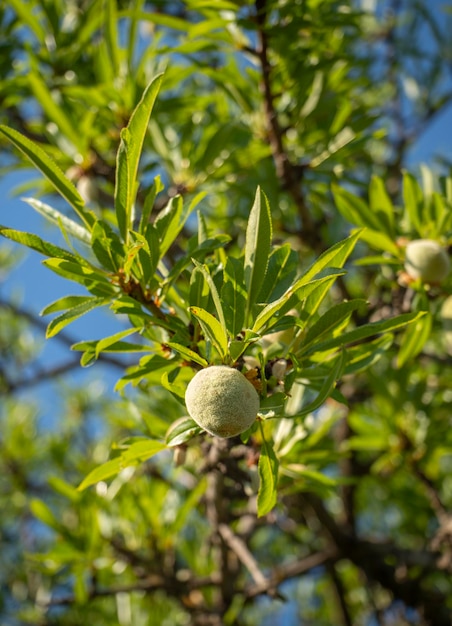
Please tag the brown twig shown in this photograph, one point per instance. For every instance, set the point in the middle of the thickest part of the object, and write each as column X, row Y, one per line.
column 293, row 569
column 149, row 584
column 340, row 595
column 237, row 545
column 287, row 172
column 39, row 377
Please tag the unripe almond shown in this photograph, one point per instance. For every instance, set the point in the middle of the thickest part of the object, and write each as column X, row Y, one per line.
column 428, row 260
column 222, row 401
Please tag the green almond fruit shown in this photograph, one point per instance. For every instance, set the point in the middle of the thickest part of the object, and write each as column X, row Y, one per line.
column 222, row 401
column 427, row 260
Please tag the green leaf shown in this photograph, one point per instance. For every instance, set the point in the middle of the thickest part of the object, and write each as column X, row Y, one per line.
column 66, row 302
column 42, row 512
column 355, row 210
column 105, row 344
column 336, row 256
column 182, row 431
column 212, row 329
column 110, row 345
column 57, row 324
column 380, row 241
column 213, row 292
column 362, row 356
column 299, row 291
column 233, row 295
column 92, row 279
column 326, row 388
column 60, row 219
column 381, row 205
column 363, row 332
column 281, row 271
column 413, row 199
column 124, row 186
column 199, row 290
column 27, row 17
column 150, row 369
column 332, row 321
column 36, row 243
column 107, row 246
column 111, row 35
column 132, row 139
column 257, row 248
column 51, row 171
column 170, row 221
column 136, row 453
column 149, row 201
column 55, row 112
column 268, row 465
column 414, row 338
column 187, row 354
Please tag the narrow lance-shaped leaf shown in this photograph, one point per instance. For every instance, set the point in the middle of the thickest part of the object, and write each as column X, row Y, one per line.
column 257, row 247
column 111, row 34
column 156, row 188
column 281, row 271
column 36, row 243
column 129, row 153
column 107, row 246
column 326, row 388
column 57, row 324
column 212, row 329
column 381, row 205
column 182, row 431
column 335, row 256
column 123, row 186
column 64, row 303
column 354, row 209
column 268, row 466
column 414, row 201
column 213, row 292
column 414, row 339
column 91, row 278
column 136, row 453
column 51, row 171
column 60, row 219
column 365, row 331
column 331, row 320
column 104, row 344
column 233, row 295
column 187, row 354
column 300, row 290
column 54, row 112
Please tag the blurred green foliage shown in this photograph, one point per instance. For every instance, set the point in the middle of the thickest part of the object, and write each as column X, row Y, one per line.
column 228, row 178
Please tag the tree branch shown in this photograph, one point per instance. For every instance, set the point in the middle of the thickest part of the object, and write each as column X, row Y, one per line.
column 290, row 570
column 149, row 584
column 374, row 560
column 288, row 174
column 66, row 339
column 237, row 545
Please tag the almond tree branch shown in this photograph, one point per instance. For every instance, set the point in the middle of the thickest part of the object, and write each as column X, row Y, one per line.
column 62, row 337
column 237, row 545
column 290, row 570
column 288, row 173
column 148, row 584
column 340, row 595
column 374, row 560
column 40, row 376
